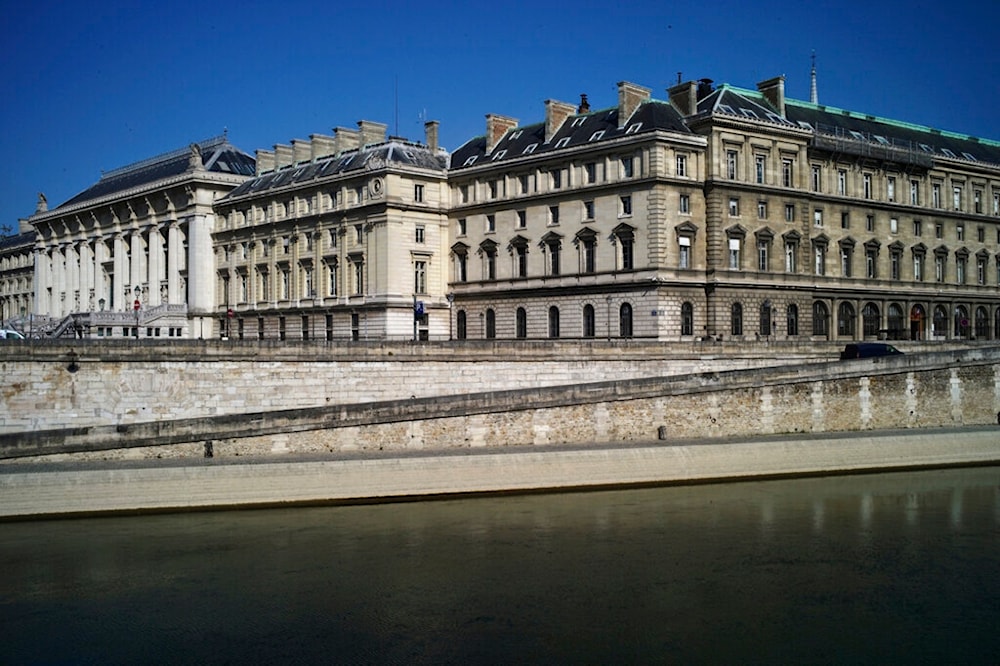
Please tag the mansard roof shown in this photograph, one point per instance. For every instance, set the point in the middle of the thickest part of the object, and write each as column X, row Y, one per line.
column 217, row 156
column 25, row 239
column 890, row 139
column 395, row 152
column 577, row 130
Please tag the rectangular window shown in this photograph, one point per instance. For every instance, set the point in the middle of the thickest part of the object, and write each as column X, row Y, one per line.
column 734, row 207
column 918, row 268
column 553, row 214
column 977, row 200
column 359, row 234
column 996, row 203
column 556, row 177
column 591, row 170
column 491, row 223
column 493, row 189
column 893, row 225
column 790, row 252
column 867, row 181
column 939, row 269
column 817, row 176
column 627, row 167
column 464, row 190
column 917, row 227
column 734, row 254
column 762, row 210
column 685, row 203
column 762, row 247
column 960, row 270
column 845, row 220
column 938, row 230
column 418, row 234
column 682, row 166
column 786, row 173
column 523, row 182
column 420, row 277
column 980, row 271
column 817, row 218
column 960, row 232
column 870, row 264
column 914, row 192
column 462, row 227
column 845, row 261
column 789, row 212
column 890, row 188
column 759, row 168
column 894, row 266
column 936, row 195
column 522, row 219
column 684, row 258
column 819, row 260
column 981, row 234
column 588, row 210
column 957, row 197
column 731, row 160
column 870, row 223
column 418, row 193
column 626, row 206
column 841, row 182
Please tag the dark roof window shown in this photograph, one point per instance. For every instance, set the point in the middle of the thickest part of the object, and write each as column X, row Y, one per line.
column 530, row 148
column 596, row 136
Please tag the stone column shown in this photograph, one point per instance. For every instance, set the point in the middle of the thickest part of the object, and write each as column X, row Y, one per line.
column 43, row 281
column 135, row 254
column 155, row 273
column 118, row 285
column 86, row 284
column 174, row 248
column 57, row 307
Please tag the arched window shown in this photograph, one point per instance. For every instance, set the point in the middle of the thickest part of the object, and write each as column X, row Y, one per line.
column 521, row 323
column 625, row 320
column 491, row 323
column 870, row 319
column 589, row 321
column 940, row 322
column 845, row 320
column 961, row 322
column 736, row 319
column 765, row 318
column 553, row 322
column 792, row 319
column 982, row 323
column 821, row 319
column 461, row 324
column 687, row 319
column 897, row 327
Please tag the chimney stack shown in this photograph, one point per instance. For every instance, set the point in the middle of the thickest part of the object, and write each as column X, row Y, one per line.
column 773, row 91
column 372, row 132
column 704, row 88
column 584, row 104
column 556, row 114
column 431, row 134
column 301, row 151
column 322, row 146
column 283, row 156
column 630, row 96
column 346, row 138
column 496, row 127
column 265, row 161
column 684, row 97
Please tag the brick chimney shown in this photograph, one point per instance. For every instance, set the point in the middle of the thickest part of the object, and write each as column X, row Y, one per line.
column 283, row 156
column 372, row 132
column 556, row 114
column 322, row 146
column 773, row 91
column 265, row 161
column 684, row 97
column 431, row 134
column 496, row 127
column 346, row 138
column 630, row 96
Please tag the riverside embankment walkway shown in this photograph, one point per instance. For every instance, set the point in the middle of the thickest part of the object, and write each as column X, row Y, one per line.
column 62, row 489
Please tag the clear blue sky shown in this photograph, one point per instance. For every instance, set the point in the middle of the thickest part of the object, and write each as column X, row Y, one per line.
column 92, row 86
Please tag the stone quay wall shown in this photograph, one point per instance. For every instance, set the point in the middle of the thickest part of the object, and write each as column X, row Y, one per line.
column 915, row 391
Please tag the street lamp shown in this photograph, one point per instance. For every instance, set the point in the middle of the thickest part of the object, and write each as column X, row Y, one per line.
column 135, row 306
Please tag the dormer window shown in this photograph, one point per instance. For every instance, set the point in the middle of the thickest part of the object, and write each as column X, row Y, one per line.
column 748, row 113
column 471, row 160
column 499, row 154
column 563, row 142
column 597, row 135
column 577, row 122
column 633, row 128
column 530, row 148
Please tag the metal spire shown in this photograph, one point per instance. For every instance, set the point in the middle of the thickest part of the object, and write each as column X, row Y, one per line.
column 813, row 95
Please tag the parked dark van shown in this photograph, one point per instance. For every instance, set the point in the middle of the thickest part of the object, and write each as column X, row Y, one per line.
column 868, row 350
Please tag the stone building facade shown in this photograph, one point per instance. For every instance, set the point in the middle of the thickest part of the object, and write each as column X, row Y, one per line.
column 132, row 255
column 724, row 213
column 17, row 267
column 341, row 237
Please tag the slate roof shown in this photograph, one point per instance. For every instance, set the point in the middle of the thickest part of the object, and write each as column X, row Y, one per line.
column 18, row 240
column 392, row 152
column 217, row 156
column 925, row 142
column 576, row 130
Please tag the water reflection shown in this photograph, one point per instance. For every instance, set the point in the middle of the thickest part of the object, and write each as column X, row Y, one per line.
column 868, row 569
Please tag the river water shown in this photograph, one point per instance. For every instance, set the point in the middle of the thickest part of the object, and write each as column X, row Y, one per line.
column 875, row 569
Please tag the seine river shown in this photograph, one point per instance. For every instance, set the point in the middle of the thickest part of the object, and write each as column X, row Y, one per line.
column 875, row 569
